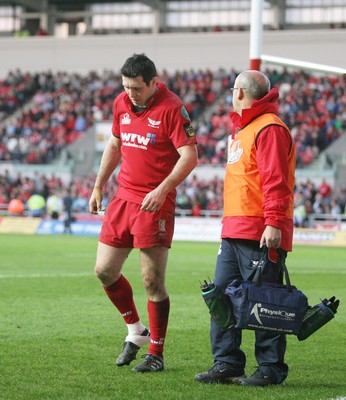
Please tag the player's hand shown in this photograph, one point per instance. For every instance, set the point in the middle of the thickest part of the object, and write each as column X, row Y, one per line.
column 95, row 202
column 153, row 201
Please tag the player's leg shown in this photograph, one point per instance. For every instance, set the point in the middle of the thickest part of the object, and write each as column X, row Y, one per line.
column 153, row 264
column 153, row 233
column 109, row 262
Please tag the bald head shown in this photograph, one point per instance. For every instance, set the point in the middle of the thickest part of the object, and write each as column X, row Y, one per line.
column 255, row 83
column 249, row 86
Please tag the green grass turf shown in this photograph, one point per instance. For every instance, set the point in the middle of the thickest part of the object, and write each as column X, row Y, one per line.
column 60, row 335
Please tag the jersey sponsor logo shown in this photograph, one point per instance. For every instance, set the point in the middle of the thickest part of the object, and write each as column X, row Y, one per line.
column 126, row 119
column 189, row 130
column 138, row 141
column 234, row 152
column 154, row 124
column 152, row 137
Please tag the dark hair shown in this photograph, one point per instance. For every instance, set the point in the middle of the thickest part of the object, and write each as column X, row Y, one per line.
column 139, row 65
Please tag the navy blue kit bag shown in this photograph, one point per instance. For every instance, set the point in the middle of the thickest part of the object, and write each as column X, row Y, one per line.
column 258, row 305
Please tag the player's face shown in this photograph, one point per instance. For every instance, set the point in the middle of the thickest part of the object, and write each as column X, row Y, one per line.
column 138, row 91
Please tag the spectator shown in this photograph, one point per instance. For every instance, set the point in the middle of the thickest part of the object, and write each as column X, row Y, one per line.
column 55, row 205
column 68, row 216
column 300, row 215
column 325, row 190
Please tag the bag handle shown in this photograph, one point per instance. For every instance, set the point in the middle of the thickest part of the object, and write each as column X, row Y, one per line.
column 285, row 270
column 256, row 273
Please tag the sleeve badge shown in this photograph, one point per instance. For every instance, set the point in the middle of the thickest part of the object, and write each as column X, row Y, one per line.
column 184, row 113
column 189, row 130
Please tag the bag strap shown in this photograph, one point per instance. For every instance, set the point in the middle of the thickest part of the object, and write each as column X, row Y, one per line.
column 285, row 270
column 256, row 273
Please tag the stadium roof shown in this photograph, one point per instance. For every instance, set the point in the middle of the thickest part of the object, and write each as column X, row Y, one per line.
column 75, row 5
column 109, row 15
column 67, row 5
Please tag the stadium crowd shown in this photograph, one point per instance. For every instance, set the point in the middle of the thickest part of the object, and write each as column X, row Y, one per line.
column 195, row 197
column 43, row 113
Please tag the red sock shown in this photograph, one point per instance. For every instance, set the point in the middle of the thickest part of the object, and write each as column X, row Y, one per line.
column 158, row 322
column 121, row 295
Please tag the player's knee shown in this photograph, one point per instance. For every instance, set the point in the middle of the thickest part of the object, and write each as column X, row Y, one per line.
column 106, row 275
column 150, row 285
column 101, row 273
column 155, row 289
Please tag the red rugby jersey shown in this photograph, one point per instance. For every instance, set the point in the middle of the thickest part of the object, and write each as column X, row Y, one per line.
column 149, row 143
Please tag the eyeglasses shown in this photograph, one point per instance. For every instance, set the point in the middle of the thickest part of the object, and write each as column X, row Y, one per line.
column 232, row 89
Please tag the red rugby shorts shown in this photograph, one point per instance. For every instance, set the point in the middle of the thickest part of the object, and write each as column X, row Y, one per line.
column 125, row 225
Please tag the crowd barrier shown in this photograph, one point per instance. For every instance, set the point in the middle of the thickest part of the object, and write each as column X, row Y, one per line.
column 186, row 229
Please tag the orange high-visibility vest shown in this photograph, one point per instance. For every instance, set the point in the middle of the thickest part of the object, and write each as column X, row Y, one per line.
column 243, row 193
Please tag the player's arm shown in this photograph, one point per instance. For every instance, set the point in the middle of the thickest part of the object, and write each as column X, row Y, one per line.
column 109, row 161
column 186, row 163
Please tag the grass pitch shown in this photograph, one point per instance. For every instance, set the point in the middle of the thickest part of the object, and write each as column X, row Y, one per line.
column 60, row 335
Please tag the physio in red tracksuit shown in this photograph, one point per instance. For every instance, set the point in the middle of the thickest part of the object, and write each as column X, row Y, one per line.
column 258, row 211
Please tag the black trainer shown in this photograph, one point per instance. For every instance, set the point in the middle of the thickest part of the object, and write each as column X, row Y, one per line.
column 221, row 373
column 258, row 378
column 130, row 350
column 151, row 363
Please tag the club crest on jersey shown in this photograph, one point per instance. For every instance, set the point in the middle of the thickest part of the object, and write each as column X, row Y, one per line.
column 234, row 152
column 154, row 124
column 126, row 119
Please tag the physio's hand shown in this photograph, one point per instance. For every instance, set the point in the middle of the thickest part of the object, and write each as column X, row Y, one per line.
column 271, row 237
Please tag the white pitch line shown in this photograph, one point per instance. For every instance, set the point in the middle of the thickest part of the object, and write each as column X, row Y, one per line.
column 338, row 398
column 316, row 271
column 67, row 275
